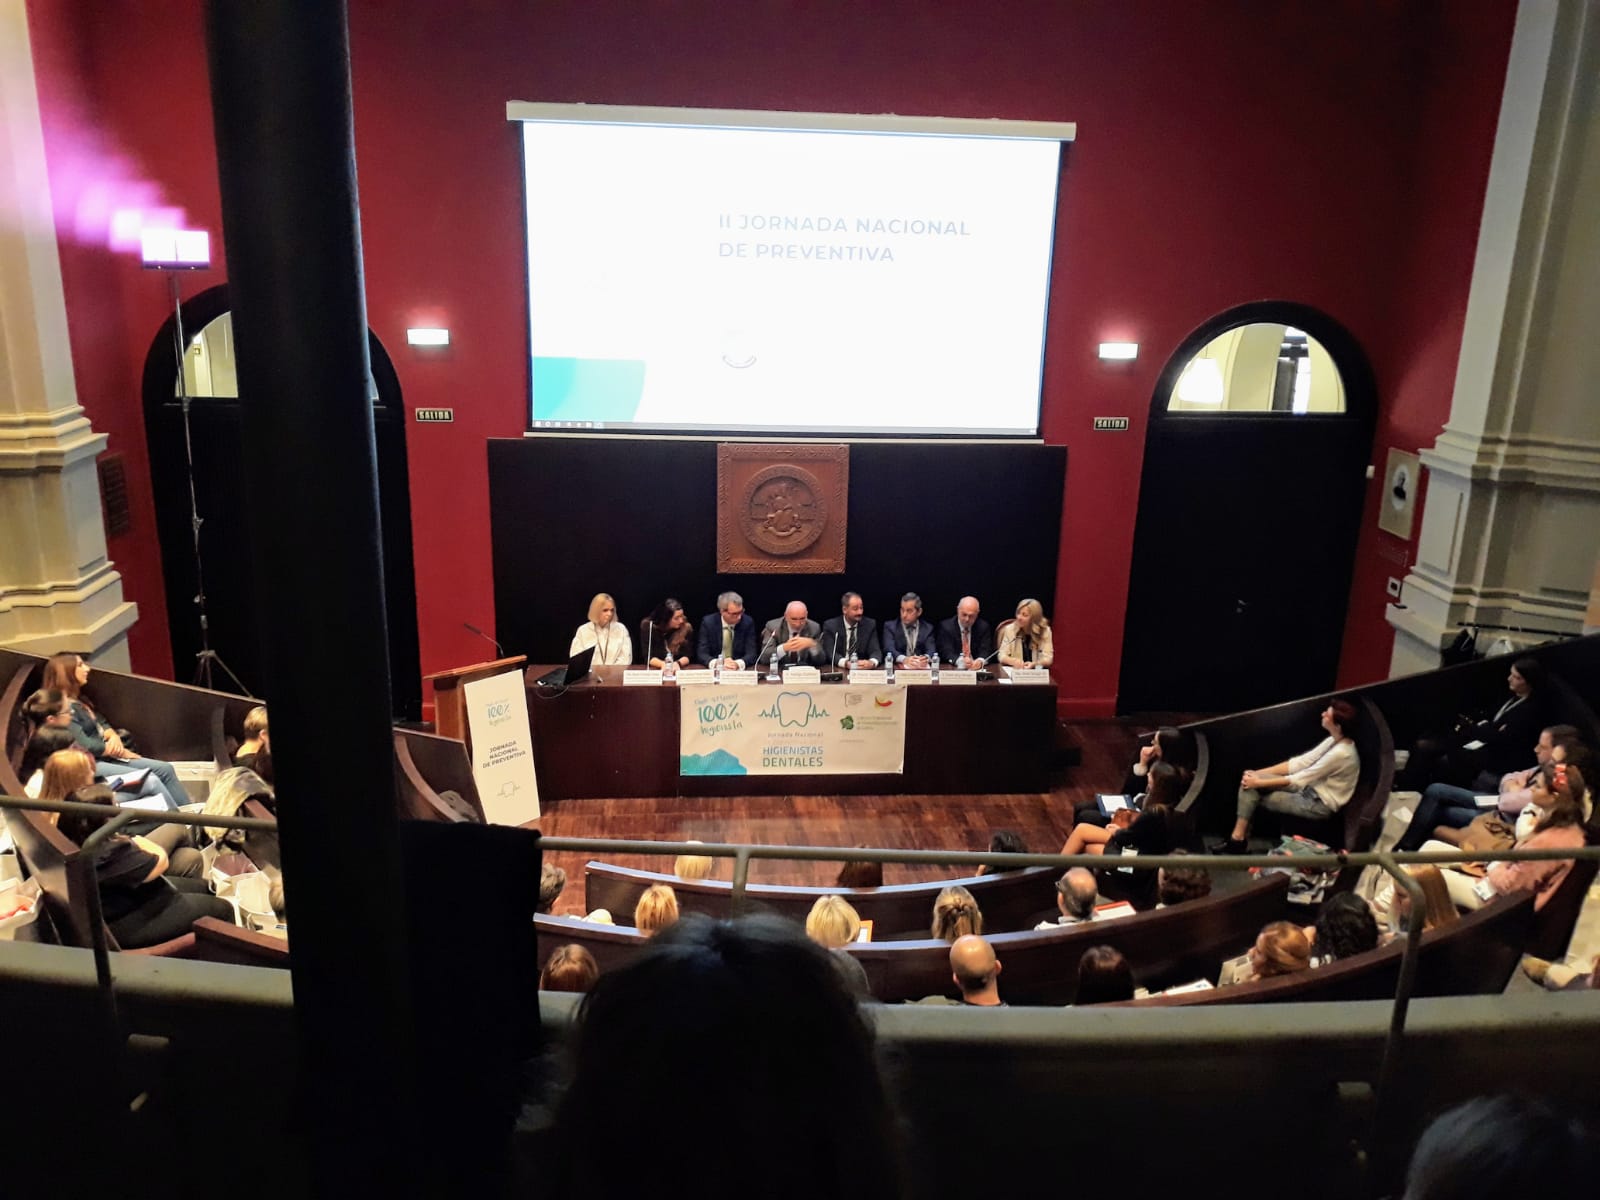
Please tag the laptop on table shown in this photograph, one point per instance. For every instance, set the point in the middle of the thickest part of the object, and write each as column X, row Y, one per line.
column 577, row 668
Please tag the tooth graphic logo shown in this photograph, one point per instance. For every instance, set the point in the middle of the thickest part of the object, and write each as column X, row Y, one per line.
column 794, row 709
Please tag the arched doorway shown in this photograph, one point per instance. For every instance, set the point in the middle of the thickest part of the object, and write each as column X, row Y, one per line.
column 215, row 424
column 1249, row 510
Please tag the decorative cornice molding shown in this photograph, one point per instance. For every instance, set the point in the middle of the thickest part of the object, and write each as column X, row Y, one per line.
column 1562, row 463
column 46, row 441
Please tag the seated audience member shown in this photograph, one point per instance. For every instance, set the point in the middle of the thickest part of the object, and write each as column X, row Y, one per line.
column 229, row 791
column 570, row 968
column 694, row 866
column 833, row 925
column 68, row 673
column 1168, row 746
column 1438, row 911
column 1104, row 977
column 1558, row 792
column 794, row 637
column 976, row 971
column 1003, row 841
column 752, row 1011
column 1026, row 641
column 1146, row 829
column 910, row 641
column 657, row 909
column 966, row 639
column 1495, row 830
column 850, row 633
column 860, row 875
column 1282, row 949
column 728, row 635
column 64, row 772
column 1504, row 1146
column 1174, row 885
column 955, row 914
column 257, row 741
column 609, row 636
column 1316, row 784
column 140, row 907
column 664, row 636
column 1444, row 805
column 552, row 882
column 1076, row 892
column 1484, row 746
column 49, row 715
column 1345, row 927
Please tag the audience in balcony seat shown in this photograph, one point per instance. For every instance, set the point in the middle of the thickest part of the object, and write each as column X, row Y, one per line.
column 1104, row 977
column 1504, row 1146
column 694, row 866
column 1344, row 928
column 1003, row 841
column 229, row 791
column 1314, row 785
column 552, row 882
column 1448, row 808
column 1147, row 830
column 860, row 874
column 1558, row 793
column 955, row 914
column 570, row 968
column 68, row 673
column 1282, row 949
column 257, row 742
column 1076, row 892
column 49, row 716
column 758, row 1017
column 46, row 740
column 1174, row 885
column 140, row 906
column 833, row 924
column 1438, row 911
column 657, row 909
column 976, row 972
column 1484, row 746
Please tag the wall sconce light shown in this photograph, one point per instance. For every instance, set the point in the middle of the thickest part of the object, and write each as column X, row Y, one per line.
column 1119, row 351
column 428, row 337
column 175, row 249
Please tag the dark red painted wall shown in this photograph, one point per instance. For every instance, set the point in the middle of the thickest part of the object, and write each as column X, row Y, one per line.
column 1331, row 154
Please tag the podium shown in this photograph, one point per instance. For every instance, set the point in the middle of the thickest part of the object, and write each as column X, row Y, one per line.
column 449, row 700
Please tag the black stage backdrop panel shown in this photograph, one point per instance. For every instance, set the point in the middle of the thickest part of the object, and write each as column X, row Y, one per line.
column 637, row 518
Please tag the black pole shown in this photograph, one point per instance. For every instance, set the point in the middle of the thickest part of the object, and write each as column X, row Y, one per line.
column 280, row 94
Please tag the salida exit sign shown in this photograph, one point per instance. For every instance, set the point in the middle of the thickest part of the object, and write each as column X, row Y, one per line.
column 1110, row 424
column 436, row 414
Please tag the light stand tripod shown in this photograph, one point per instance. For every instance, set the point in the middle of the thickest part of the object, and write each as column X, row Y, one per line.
column 207, row 660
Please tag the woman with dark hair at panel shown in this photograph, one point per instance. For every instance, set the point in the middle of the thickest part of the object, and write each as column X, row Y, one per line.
column 956, row 914
column 68, row 673
column 1485, row 746
column 1315, row 785
column 1558, row 793
column 140, row 906
column 1104, row 977
column 752, row 1016
column 666, row 637
column 1504, row 1146
column 1345, row 927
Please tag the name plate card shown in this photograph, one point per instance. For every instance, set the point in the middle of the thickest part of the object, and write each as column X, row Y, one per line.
column 1028, row 674
column 958, row 678
column 864, row 675
column 642, row 677
column 910, row 677
column 738, row 678
column 802, row 675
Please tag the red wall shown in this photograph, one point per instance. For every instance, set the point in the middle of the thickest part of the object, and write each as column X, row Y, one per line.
column 1331, row 154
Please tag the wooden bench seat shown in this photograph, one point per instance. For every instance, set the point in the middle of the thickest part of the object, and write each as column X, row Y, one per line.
column 1009, row 900
column 428, row 765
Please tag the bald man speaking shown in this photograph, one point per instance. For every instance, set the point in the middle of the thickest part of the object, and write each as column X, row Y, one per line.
column 794, row 636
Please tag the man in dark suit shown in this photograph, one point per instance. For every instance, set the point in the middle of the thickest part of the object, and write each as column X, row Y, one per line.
column 966, row 639
column 910, row 639
column 795, row 638
column 727, row 634
column 850, row 632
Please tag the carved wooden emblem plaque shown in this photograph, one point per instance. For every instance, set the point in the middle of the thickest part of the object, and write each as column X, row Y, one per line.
column 781, row 509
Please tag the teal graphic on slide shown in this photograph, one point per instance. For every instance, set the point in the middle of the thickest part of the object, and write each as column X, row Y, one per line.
column 718, row 762
column 587, row 389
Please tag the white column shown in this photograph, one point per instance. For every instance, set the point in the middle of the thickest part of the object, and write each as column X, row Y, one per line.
column 57, row 587
column 1511, row 523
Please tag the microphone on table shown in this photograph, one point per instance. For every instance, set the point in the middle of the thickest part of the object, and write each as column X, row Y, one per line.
column 649, row 640
column 771, row 634
column 471, row 628
column 983, row 661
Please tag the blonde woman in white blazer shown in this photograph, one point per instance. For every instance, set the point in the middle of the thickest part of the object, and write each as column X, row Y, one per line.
column 613, row 646
column 1026, row 642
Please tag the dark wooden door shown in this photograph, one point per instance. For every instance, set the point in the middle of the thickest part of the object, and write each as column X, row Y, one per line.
column 1245, row 545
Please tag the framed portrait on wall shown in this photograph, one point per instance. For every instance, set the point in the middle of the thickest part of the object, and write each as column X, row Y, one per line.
column 1402, row 476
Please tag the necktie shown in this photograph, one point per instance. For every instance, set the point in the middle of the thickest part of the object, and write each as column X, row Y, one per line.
column 966, row 643
column 849, row 640
column 911, row 639
column 727, row 641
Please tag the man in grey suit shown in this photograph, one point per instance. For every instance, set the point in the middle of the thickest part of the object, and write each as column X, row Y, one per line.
column 794, row 636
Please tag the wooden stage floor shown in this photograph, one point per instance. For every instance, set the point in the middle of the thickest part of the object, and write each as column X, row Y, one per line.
column 960, row 822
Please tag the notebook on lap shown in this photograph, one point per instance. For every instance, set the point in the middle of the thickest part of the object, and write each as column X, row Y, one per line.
column 577, row 668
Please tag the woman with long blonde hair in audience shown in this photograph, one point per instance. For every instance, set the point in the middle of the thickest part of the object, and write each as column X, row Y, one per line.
column 63, row 773
column 657, row 909
column 956, row 914
column 1438, row 911
column 67, row 674
column 1026, row 641
column 609, row 636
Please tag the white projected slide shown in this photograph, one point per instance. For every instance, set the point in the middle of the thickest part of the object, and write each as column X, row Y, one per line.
column 684, row 278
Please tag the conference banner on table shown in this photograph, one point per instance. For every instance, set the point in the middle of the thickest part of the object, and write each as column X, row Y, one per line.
column 792, row 730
